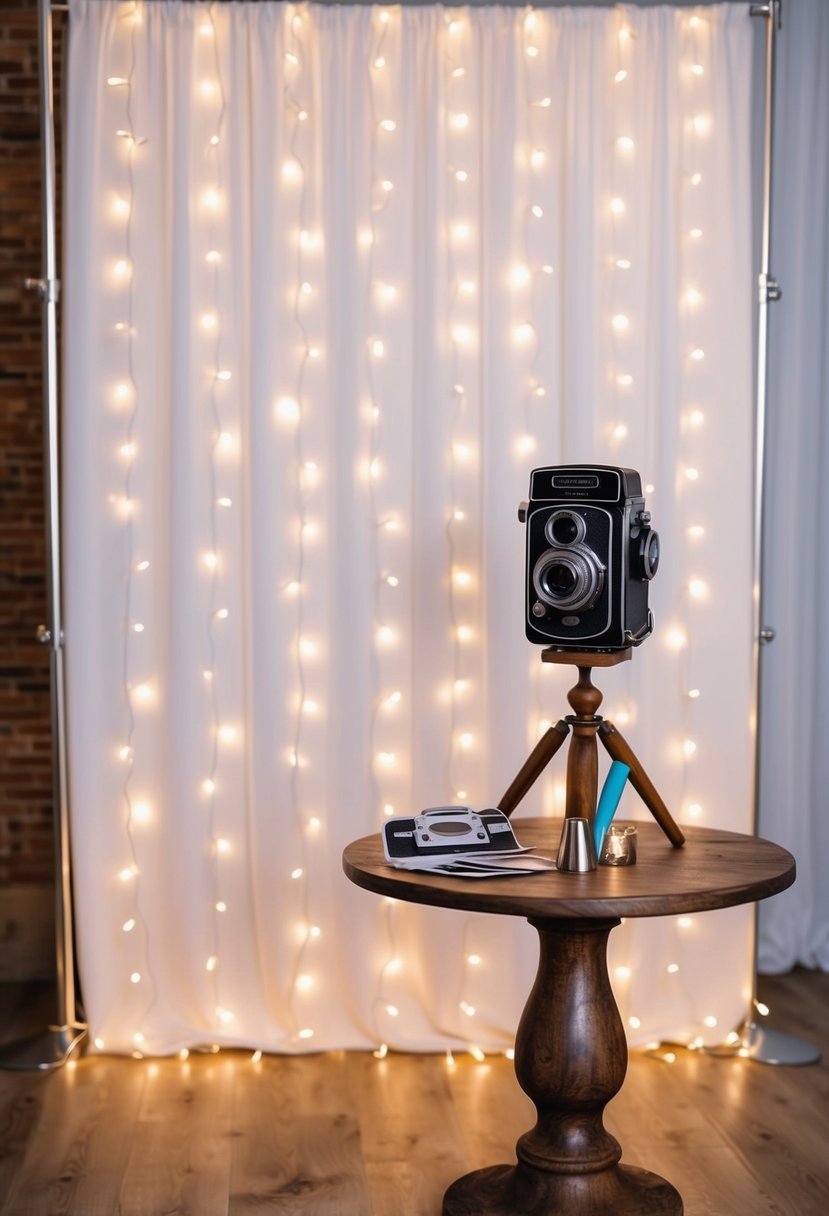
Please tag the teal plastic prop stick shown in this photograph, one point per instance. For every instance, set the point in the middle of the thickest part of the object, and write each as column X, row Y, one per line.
column 609, row 801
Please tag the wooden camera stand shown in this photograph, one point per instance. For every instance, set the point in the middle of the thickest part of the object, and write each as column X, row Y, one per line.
column 583, row 758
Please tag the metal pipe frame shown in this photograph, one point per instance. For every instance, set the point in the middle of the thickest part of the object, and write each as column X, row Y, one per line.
column 756, row 1041
column 53, row 1046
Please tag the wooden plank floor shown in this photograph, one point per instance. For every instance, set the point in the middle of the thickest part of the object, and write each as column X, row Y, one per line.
column 349, row 1135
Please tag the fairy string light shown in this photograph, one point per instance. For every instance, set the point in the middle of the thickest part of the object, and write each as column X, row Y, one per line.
column 387, row 766
column 138, row 696
column 461, row 240
column 292, row 411
column 531, row 278
column 384, row 760
column 219, row 377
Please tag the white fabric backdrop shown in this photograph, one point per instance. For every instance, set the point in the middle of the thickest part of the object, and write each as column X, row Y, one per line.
column 335, row 280
column 795, row 758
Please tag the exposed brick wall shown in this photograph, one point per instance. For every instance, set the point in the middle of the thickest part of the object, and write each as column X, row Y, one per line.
column 26, row 814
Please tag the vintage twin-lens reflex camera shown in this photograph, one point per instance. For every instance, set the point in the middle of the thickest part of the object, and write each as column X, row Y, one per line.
column 590, row 556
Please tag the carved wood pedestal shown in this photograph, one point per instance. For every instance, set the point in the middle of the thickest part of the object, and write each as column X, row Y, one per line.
column 570, row 1051
column 570, row 1059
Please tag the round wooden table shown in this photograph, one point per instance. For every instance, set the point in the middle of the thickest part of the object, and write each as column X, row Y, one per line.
column 570, row 1050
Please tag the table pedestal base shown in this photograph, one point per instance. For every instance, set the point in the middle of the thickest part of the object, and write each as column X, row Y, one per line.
column 570, row 1059
column 507, row 1190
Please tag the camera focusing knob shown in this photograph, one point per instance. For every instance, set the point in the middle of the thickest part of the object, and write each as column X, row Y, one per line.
column 523, row 507
column 643, row 518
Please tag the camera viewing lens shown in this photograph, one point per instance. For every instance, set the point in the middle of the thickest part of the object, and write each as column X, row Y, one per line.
column 565, row 528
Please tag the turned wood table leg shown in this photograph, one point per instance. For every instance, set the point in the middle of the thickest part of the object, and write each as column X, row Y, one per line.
column 570, row 1058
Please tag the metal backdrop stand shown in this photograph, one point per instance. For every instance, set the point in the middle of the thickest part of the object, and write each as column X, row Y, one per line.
column 757, row 1042
column 52, row 1047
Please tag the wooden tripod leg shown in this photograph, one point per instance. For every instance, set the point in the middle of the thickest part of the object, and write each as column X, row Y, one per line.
column 619, row 749
column 533, row 766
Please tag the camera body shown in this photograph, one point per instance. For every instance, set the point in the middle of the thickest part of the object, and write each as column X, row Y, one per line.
column 590, row 556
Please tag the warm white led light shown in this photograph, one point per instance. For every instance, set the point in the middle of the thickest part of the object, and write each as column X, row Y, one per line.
column 537, row 211
column 459, row 121
column 461, row 232
column 388, row 124
column 689, row 747
column 135, row 978
column 676, row 637
column 623, row 263
column 698, row 588
column 620, row 322
column 634, row 1023
column 624, row 380
column 625, row 143
column 141, row 812
column 287, row 409
column 622, row 973
column 538, row 158
column 617, row 206
column 461, row 175
column 222, row 845
column 524, row 332
column 620, row 76
column 691, row 473
column 525, row 445
column 208, row 785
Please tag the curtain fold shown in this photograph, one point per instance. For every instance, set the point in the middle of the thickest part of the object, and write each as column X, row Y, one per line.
column 336, row 279
column 793, row 757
